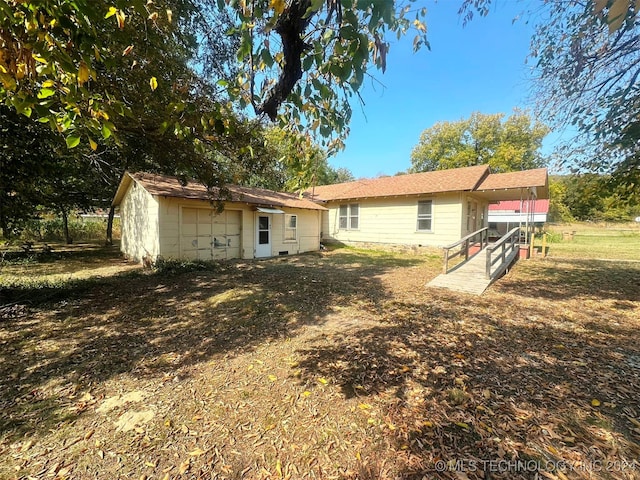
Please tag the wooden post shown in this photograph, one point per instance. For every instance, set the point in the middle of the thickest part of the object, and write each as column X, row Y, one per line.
column 466, row 249
column 531, row 247
column 446, row 261
column 488, row 264
column 544, row 245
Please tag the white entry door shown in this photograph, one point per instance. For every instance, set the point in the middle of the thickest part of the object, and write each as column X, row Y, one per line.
column 263, row 236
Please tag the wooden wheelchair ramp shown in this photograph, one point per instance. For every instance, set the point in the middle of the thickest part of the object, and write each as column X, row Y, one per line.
column 476, row 273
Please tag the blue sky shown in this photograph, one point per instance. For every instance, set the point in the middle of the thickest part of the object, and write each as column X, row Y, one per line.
column 478, row 67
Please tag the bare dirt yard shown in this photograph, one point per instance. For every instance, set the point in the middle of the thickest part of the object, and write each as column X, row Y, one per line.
column 340, row 364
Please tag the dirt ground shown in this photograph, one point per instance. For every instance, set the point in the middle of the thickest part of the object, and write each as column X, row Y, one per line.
column 338, row 365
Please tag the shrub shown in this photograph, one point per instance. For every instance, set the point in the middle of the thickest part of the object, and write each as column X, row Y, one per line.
column 52, row 230
column 172, row 266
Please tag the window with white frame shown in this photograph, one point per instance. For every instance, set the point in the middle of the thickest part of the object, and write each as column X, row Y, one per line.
column 290, row 228
column 425, row 215
column 349, row 217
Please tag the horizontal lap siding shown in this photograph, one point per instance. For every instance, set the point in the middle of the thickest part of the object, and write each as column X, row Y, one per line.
column 308, row 232
column 139, row 224
column 394, row 221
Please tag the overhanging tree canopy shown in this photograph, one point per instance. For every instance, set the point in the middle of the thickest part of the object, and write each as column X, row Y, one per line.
column 53, row 50
column 587, row 71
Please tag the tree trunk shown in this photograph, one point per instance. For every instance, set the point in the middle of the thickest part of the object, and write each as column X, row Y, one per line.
column 109, row 241
column 3, row 224
column 65, row 227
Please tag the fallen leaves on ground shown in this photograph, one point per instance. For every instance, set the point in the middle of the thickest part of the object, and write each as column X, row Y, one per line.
column 334, row 365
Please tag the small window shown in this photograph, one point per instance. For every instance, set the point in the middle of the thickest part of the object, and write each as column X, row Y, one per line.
column 349, row 217
column 354, row 213
column 425, row 215
column 290, row 228
column 344, row 216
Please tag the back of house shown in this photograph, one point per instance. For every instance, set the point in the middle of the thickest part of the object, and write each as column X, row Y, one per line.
column 422, row 209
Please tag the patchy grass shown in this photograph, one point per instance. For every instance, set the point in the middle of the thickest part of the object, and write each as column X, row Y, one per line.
column 600, row 241
column 340, row 364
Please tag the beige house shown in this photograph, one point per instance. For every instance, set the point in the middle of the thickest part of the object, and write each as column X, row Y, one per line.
column 160, row 217
column 422, row 209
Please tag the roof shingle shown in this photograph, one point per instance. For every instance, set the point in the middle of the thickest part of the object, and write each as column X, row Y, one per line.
column 440, row 181
column 167, row 186
column 521, row 179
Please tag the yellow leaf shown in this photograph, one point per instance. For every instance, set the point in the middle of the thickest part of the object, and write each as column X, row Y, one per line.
column 93, row 144
column 364, row 406
column 48, row 83
column 153, row 17
column 112, row 11
column 167, row 423
column 358, row 456
column 427, row 424
column 184, row 466
column 278, row 467
column 169, row 15
column 197, row 452
column 150, row 465
column 306, row 393
column 323, row 380
column 153, row 82
column 595, row 402
column 273, row 378
column 463, row 425
column 278, row 6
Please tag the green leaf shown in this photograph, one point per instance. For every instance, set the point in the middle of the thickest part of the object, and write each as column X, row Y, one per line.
column 46, row 93
column 267, row 58
column 72, row 140
column 315, row 6
column 106, row 131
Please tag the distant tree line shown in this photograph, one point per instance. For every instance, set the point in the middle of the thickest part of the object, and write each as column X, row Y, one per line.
column 591, row 197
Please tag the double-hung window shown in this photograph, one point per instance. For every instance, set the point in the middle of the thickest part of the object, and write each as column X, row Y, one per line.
column 349, row 216
column 290, row 228
column 425, row 216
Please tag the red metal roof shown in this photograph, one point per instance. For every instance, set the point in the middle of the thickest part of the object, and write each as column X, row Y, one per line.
column 539, row 206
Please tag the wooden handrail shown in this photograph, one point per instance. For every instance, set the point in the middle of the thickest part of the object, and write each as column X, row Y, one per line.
column 455, row 244
column 508, row 243
column 464, row 243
